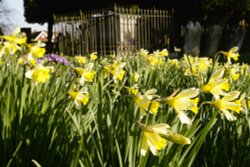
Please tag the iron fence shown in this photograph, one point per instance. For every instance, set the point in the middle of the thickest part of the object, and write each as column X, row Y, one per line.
column 113, row 30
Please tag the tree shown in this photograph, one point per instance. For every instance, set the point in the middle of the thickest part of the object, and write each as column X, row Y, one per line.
column 37, row 11
column 225, row 11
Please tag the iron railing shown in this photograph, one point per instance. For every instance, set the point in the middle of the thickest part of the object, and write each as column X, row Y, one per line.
column 113, row 30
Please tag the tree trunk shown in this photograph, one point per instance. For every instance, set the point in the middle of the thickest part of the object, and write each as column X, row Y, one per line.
column 49, row 45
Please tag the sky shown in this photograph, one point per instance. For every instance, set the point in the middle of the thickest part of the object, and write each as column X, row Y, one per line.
column 12, row 16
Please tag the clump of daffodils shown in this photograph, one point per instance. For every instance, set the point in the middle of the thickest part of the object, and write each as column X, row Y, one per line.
column 116, row 70
column 12, row 43
column 34, row 54
column 81, row 59
column 157, row 58
column 195, row 66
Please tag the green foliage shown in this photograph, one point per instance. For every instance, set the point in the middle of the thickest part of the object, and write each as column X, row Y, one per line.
column 42, row 124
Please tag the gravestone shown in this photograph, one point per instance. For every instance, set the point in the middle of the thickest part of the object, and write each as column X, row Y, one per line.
column 245, row 45
column 192, row 38
column 232, row 36
column 240, row 37
column 212, row 41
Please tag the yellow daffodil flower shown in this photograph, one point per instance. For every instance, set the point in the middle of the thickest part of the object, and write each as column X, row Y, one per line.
column 36, row 51
column 93, row 56
column 243, row 102
column 152, row 140
column 9, row 48
column 244, row 69
column 81, row 59
column 145, row 103
column 174, row 62
column 233, row 71
column 232, row 53
column 80, row 97
column 195, row 66
column 164, row 52
column 155, row 138
column 39, row 74
column 185, row 100
column 116, row 70
column 216, row 84
column 143, row 52
column 13, row 42
column 86, row 75
column 135, row 77
column 118, row 75
column 153, row 60
column 228, row 103
column 16, row 37
column 133, row 90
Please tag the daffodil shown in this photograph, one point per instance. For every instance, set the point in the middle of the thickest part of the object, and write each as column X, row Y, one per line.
column 9, row 48
column 164, row 52
column 228, row 103
column 143, row 52
column 231, row 54
column 135, row 77
column 81, row 59
column 233, row 71
column 174, row 62
column 80, row 97
column 155, row 60
column 244, row 69
column 243, row 102
column 195, row 66
column 186, row 100
column 145, row 102
column 93, row 56
column 118, row 75
column 155, row 138
column 16, row 37
column 132, row 90
column 86, row 75
column 116, row 70
column 152, row 140
column 13, row 42
column 39, row 74
column 216, row 84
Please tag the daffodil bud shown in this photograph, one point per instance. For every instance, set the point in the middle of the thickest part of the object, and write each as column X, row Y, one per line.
column 177, row 138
